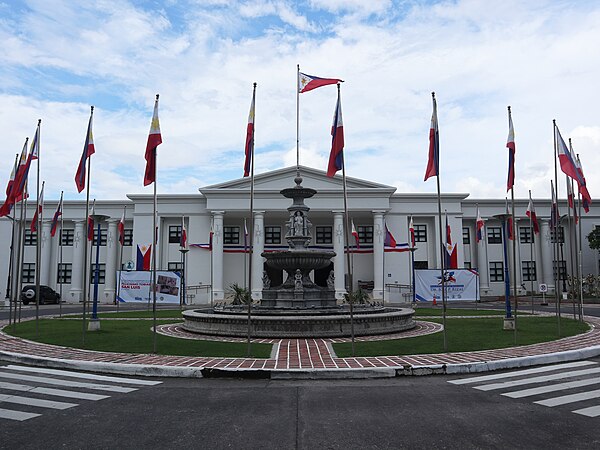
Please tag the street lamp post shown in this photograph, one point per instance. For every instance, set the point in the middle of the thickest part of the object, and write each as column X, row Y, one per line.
column 94, row 323
column 183, row 251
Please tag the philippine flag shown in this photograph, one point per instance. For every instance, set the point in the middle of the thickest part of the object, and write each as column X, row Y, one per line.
column 355, row 234
column 433, row 163
column 154, row 140
column 90, row 222
column 336, row 157
column 411, row 231
column 144, row 253
column 583, row 190
column 389, row 240
column 479, row 226
column 567, row 162
column 309, row 82
column 249, row 149
column 121, row 228
column 88, row 150
column 554, row 212
column 57, row 215
column 38, row 211
column 532, row 216
column 510, row 144
column 183, row 242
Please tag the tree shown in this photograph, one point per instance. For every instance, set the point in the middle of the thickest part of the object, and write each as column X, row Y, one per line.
column 594, row 238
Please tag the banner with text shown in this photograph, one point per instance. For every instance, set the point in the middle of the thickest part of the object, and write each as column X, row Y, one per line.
column 461, row 284
column 134, row 286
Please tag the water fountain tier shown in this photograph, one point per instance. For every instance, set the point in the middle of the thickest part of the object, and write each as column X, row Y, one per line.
column 298, row 290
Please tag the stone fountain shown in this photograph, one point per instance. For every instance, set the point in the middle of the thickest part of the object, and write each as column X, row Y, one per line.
column 298, row 308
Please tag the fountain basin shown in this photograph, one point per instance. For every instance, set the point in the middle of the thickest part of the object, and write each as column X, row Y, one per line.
column 298, row 323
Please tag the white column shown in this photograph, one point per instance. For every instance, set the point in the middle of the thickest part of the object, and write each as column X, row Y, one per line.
column 339, row 259
column 112, row 248
column 258, row 247
column 46, row 253
column 546, row 256
column 77, row 266
column 378, row 239
column 217, row 256
column 483, row 263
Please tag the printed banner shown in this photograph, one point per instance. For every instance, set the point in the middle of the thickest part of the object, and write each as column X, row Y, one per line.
column 134, row 286
column 461, row 284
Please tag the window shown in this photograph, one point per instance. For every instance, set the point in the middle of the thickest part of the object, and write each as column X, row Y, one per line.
column 28, row 273
column 421, row 265
column 561, row 235
column 175, row 267
column 128, row 237
column 365, row 234
column 174, row 234
column 528, row 268
column 30, row 238
column 563, row 269
column 272, row 235
column 64, row 273
column 324, row 235
column 101, row 273
column 494, row 235
column 67, row 237
column 467, row 265
column 496, row 271
column 103, row 234
column 420, row 233
column 525, row 236
column 466, row 236
column 231, row 235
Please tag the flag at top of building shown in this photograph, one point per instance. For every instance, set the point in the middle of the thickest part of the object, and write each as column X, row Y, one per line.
column 451, row 252
column 336, row 157
column 154, row 140
column 433, row 163
column 121, row 228
column 38, row 211
column 479, row 224
column 56, row 216
column 355, row 234
column 88, row 150
column 532, row 215
column 411, row 231
column 309, row 82
column 249, row 149
column 183, row 242
column 510, row 144
column 389, row 240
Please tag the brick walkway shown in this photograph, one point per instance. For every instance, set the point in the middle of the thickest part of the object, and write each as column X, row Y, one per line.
column 299, row 354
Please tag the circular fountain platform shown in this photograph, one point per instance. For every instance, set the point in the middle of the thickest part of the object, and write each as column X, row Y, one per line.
column 298, row 323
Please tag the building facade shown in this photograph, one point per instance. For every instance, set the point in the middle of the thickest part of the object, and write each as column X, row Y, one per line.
column 224, row 209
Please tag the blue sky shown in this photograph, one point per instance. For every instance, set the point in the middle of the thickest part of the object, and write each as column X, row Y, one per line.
column 59, row 57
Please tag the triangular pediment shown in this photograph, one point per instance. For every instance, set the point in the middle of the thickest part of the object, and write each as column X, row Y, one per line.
column 284, row 178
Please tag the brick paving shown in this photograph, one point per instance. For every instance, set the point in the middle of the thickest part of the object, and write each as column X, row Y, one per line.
column 300, row 354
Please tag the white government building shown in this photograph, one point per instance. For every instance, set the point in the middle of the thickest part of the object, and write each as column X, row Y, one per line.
column 226, row 206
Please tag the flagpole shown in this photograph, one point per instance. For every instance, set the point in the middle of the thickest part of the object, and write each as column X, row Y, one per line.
column 573, row 241
column 579, row 244
column 60, row 250
column 38, row 241
column 571, row 195
column 556, row 237
column 22, row 247
column 251, row 232
column 118, row 286
column 11, row 266
column 86, row 237
column 298, row 119
column 514, row 236
column 154, row 251
column 531, row 249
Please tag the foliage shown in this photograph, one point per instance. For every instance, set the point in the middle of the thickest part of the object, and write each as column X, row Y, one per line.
column 241, row 295
column 359, row 296
column 594, row 238
column 591, row 286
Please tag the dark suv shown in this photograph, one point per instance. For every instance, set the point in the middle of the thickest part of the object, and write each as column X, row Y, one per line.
column 48, row 295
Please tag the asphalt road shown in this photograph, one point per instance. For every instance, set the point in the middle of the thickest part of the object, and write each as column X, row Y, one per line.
column 412, row 412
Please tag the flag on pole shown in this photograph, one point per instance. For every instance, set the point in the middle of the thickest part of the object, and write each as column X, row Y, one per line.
column 121, row 228
column 154, row 140
column 90, row 222
column 34, row 150
column 433, row 164
column 510, row 144
column 144, row 253
column 7, row 205
column 245, row 235
column 56, row 216
column 583, row 190
column 554, row 213
column 479, row 224
column 249, row 138
column 38, row 211
column 88, row 150
column 567, row 162
column 210, row 237
column 336, row 157
column 308, row 82
column 20, row 191
column 355, row 234
column 509, row 221
column 532, row 215
column 451, row 252
column 571, row 199
column 411, row 231
column 389, row 240
column 183, row 242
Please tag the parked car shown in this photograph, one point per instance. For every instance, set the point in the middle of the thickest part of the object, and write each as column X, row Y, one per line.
column 48, row 295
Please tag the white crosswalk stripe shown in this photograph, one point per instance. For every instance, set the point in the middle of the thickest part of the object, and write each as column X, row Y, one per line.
column 555, row 384
column 28, row 404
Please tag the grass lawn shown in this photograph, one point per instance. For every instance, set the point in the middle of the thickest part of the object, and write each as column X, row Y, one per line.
column 437, row 312
column 142, row 314
column 129, row 336
column 468, row 335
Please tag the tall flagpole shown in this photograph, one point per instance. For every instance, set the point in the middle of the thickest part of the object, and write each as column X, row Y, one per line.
column 118, row 286
column 60, row 250
column 571, row 193
column 298, row 119
column 514, row 247
column 154, row 251
column 573, row 242
column 579, row 250
column 557, row 266
column 11, row 262
column 531, row 249
column 22, row 246
column 251, row 232
column 86, row 236
column 38, row 241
